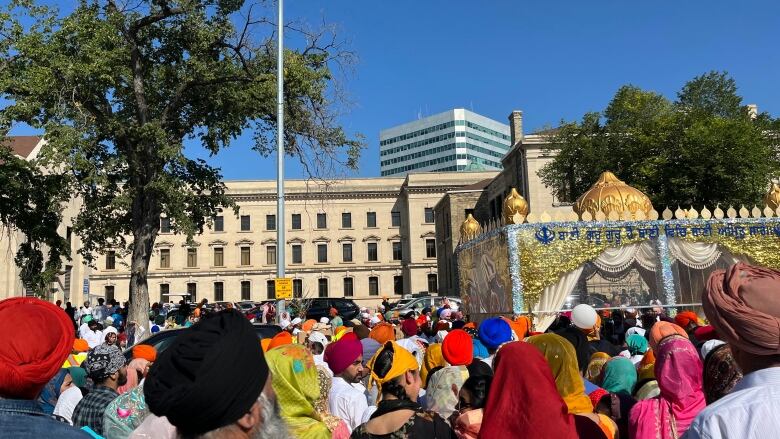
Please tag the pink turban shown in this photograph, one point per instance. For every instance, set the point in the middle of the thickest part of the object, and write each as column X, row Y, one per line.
column 743, row 304
column 341, row 354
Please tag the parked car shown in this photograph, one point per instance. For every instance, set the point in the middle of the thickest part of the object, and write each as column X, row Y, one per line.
column 163, row 339
column 245, row 306
column 320, row 307
column 419, row 303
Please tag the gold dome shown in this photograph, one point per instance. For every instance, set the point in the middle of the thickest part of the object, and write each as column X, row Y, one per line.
column 469, row 229
column 772, row 198
column 515, row 208
column 609, row 194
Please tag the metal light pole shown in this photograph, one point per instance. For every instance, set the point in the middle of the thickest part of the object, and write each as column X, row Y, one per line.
column 280, row 220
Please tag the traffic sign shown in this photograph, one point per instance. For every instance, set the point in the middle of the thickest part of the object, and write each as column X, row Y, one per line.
column 283, row 287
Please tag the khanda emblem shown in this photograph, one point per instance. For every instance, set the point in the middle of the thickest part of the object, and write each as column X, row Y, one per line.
column 545, row 235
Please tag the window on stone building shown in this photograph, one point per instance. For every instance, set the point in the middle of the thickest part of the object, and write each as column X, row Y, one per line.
column 297, row 288
column 246, row 256
column 110, row 260
column 192, row 291
column 346, row 252
column 246, row 290
column 270, row 289
column 373, row 286
column 192, row 257
column 373, row 253
column 322, row 287
column 348, row 286
column 246, row 223
column 433, row 284
column 429, row 219
column 296, row 221
column 322, row 221
column 430, row 248
column 398, row 285
column 165, row 225
column 346, row 220
column 219, row 257
column 395, row 219
column 397, row 251
column 219, row 223
column 164, row 290
column 219, row 291
column 109, row 293
column 322, row 253
column 370, row 219
column 270, row 254
column 270, row 222
column 297, row 254
column 165, row 258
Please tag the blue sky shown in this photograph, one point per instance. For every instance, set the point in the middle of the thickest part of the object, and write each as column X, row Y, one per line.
column 554, row 60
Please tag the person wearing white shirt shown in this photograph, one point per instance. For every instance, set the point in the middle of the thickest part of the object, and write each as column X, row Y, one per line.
column 743, row 306
column 92, row 335
column 347, row 399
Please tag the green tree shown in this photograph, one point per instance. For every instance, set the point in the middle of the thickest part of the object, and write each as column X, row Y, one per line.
column 118, row 87
column 703, row 149
column 30, row 204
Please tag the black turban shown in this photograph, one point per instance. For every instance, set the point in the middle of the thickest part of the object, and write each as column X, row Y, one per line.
column 210, row 375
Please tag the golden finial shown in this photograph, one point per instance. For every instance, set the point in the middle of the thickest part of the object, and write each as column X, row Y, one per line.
column 772, row 198
column 609, row 194
column 470, row 229
column 515, row 208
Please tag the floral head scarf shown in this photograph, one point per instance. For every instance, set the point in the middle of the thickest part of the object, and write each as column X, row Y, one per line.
column 297, row 387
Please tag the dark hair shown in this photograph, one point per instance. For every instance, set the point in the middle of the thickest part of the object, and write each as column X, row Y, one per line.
column 479, row 387
column 382, row 365
column 316, row 348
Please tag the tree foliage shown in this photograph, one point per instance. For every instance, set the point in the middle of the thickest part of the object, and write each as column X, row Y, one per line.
column 117, row 88
column 704, row 148
column 30, row 204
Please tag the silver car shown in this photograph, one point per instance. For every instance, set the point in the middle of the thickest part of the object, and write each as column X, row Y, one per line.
column 419, row 303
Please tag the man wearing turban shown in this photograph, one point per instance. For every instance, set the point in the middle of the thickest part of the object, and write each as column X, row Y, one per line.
column 105, row 364
column 347, row 398
column 743, row 305
column 213, row 379
column 37, row 338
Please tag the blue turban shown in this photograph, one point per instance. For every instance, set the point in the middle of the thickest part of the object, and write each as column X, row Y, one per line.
column 494, row 332
column 480, row 351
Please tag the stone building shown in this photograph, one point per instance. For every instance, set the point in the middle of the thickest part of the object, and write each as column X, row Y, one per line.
column 360, row 238
column 69, row 284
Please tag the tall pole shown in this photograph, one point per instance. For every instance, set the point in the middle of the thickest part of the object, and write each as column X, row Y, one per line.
column 280, row 222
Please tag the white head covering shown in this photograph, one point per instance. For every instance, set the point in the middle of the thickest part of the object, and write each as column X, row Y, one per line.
column 296, row 321
column 440, row 336
column 584, row 316
column 67, row 402
column 635, row 330
column 324, row 320
column 109, row 330
column 709, row 345
column 414, row 348
column 318, row 337
column 374, row 320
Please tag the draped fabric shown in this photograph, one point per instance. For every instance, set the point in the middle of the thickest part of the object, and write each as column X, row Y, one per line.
column 698, row 255
column 616, row 259
column 554, row 296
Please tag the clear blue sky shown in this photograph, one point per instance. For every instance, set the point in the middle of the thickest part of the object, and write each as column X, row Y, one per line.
column 554, row 60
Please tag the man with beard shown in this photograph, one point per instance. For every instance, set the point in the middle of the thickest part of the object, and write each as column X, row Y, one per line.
column 213, row 382
column 105, row 364
column 347, row 399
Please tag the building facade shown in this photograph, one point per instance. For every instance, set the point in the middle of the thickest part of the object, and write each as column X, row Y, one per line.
column 69, row 283
column 356, row 238
column 454, row 140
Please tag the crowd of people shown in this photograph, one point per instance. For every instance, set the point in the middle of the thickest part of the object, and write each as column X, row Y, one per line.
column 625, row 374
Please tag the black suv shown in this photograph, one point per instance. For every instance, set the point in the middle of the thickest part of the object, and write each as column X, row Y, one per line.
column 320, row 307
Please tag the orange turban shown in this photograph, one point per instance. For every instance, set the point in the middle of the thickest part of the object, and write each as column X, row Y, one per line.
column 522, row 326
column 80, row 345
column 471, row 325
column 280, row 339
column 685, row 318
column 383, row 333
column 148, row 353
column 308, row 325
column 264, row 343
column 37, row 338
column 661, row 330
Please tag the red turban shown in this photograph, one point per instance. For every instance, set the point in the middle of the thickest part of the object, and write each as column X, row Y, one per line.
column 148, row 353
column 80, row 345
column 743, row 305
column 457, row 348
column 661, row 330
column 409, row 327
column 685, row 318
column 37, row 338
column 280, row 339
column 383, row 333
column 341, row 354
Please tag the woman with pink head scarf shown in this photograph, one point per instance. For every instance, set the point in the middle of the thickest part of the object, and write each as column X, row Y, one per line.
column 678, row 370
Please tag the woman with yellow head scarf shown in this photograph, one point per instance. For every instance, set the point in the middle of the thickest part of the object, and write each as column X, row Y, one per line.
column 562, row 358
column 398, row 413
column 434, row 359
column 296, row 383
column 596, row 366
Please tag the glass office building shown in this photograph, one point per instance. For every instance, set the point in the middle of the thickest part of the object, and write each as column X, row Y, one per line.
column 455, row 140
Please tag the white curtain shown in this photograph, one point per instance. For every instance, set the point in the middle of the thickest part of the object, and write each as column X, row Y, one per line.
column 553, row 298
column 697, row 255
column 618, row 259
